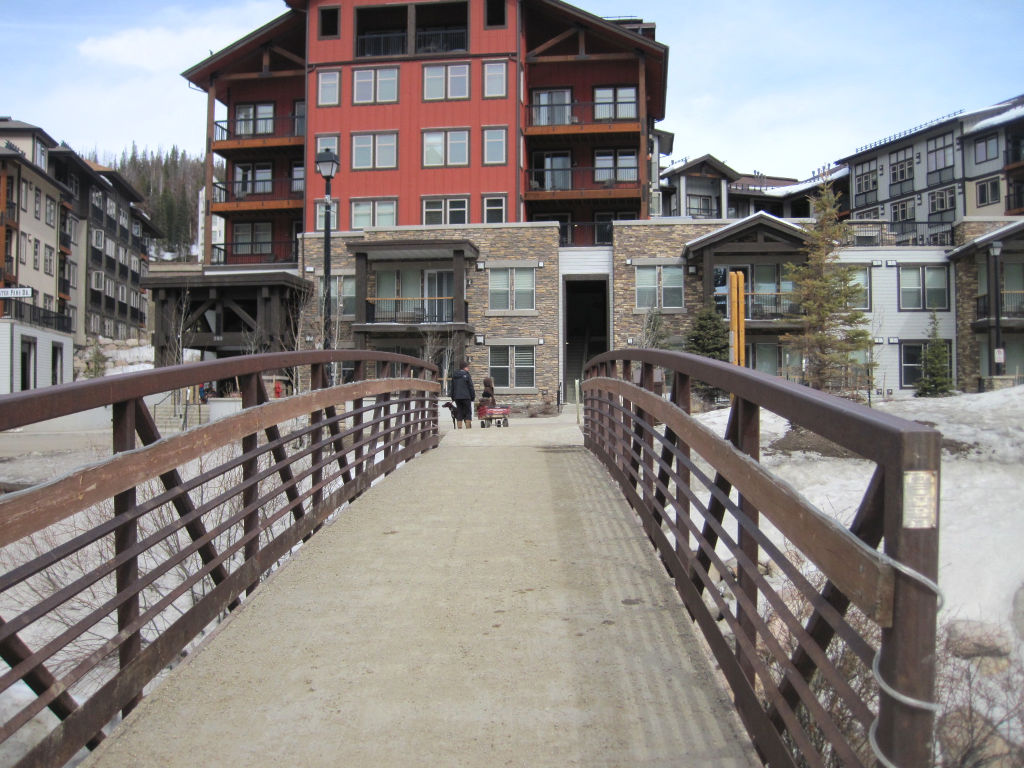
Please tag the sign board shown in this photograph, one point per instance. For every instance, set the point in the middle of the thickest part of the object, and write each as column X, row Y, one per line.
column 15, row 293
column 999, row 355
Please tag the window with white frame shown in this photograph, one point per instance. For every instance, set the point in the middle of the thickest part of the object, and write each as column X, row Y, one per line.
column 924, row 288
column 447, row 210
column 512, row 288
column 374, row 213
column 986, row 148
column 110, row 248
column 96, row 281
column 35, row 253
column 348, row 295
column 37, row 204
column 73, row 274
column 48, row 259
column 253, row 237
column 23, row 251
column 901, row 172
column 903, row 215
column 443, row 82
column 48, row 302
column 374, row 150
column 298, row 179
column 494, row 146
column 912, row 354
column 513, row 366
column 51, row 212
column 328, row 88
column 108, row 287
column 987, row 191
column 615, row 165
column 659, row 286
column 615, row 103
column 941, row 200
column 494, row 209
column 495, row 80
column 111, row 208
column 375, row 86
column 860, row 281
column 320, row 211
column 24, row 195
column 328, row 142
column 445, row 148
column 865, row 183
column 940, row 158
column 122, row 293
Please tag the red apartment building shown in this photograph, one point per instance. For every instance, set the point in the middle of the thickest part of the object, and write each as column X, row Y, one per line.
column 442, row 113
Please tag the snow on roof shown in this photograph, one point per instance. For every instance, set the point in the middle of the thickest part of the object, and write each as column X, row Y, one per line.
column 739, row 224
column 803, row 186
column 1015, row 113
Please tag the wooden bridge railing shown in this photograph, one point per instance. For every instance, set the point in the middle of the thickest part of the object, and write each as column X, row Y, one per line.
column 111, row 572
column 827, row 643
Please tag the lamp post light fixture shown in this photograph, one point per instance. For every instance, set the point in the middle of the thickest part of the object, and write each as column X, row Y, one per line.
column 997, row 355
column 327, row 166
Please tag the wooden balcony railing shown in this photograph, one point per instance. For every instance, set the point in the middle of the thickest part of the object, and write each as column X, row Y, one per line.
column 793, row 604
column 582, row 113
column 111, row 572
column 265, row 252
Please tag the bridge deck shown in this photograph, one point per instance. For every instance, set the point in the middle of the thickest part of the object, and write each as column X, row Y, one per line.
column 491, row 603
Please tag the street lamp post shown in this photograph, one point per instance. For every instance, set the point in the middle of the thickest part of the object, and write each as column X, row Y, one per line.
column 997, row 353
column 327, row 166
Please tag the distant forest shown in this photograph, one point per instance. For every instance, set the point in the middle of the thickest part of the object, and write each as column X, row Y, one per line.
column 170, row 182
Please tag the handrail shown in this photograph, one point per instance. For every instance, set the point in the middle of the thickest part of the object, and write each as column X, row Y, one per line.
column 787, row 608
column 112, row 571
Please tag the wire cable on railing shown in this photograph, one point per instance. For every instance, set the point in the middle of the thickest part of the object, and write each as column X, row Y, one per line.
column 909, row 701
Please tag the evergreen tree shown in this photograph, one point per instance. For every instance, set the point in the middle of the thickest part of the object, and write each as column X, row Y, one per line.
column 935, row 380
column 832, row 335
column 709, row 335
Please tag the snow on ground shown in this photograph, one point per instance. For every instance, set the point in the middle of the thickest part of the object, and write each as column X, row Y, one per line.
column 981, row 524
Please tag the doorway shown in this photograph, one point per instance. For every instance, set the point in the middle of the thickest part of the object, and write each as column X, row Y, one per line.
column 586, row 328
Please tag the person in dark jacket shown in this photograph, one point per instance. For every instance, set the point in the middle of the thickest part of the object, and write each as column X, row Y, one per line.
column 461, row 391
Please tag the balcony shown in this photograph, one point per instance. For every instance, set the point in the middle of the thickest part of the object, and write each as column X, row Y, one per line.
column 65, row 242
column 1015, row 200
column 868, row 234
column 763, row 306
column 386, row 43
column 415, row 310
column 263, row 252
column 14, row 309
column 9, row 215
column 567, row 183
column 1011, row 305
column 583, row 117
column 258, row 194
column 252, row 132
column 1014, row 151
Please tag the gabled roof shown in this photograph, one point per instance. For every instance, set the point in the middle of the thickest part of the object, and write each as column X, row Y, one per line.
column 1014, row 229
column 706, row 160
column 228, row 58
column 9, row 125
column 754, row 221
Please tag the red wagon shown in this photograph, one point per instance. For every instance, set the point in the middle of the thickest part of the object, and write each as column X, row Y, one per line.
column 493, row 414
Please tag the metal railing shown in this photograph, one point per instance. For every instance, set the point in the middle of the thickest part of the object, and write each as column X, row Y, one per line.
column 416, row 310
column 392, row 43
column 1011, row 304
column 260, row 252
column 582, row 113
column 872, row 233
column 793, row 605
column 16, row 309
column 113, row 570
column 583, row 178
column 444, row 40
column 259, row 128
column 281, row 188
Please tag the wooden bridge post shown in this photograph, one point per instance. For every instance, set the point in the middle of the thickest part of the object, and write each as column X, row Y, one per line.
column 749, row 442
column 249, row 384
column 126, row 536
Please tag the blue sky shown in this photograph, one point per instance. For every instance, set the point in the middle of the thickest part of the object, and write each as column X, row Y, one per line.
column 783, row 87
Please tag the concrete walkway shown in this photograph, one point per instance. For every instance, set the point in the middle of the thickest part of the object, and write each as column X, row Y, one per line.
column 492, row 603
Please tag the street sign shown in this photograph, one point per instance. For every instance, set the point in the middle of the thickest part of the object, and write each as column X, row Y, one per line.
column 15, row 293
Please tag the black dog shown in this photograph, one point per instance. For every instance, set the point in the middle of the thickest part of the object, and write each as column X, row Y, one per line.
column 451, row 409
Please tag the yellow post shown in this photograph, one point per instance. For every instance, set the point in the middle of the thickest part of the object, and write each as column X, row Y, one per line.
column 737, row 319
column 733, row 315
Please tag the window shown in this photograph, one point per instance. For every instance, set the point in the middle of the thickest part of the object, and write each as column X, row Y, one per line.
column 940, row 159
column 513, row 366
column 73, row 274
column 901, row 172
column 51, row 211
column 254, row 119
column 987, row 191
column 494, row 209
column 903, row 216
column 96, row 281
column 252, row 238
column 494, row 146
column 374, row 213
column 441, row 148
column 48, row 259
column 865, row 183
column 37, row 205
column 330, row 22
column 122, row 293
column 445, row 82
column 552, row 107
column 924, row 288
column 699, row 206
column 320, row 206
column 670, row 290
column 986, row 149
column 495, row 80
column 35, row 254
column 912, row 361
column 328, row 89
column 495, row 13
column 97, row 238
column 108, row 287
column 375, row 86
column 324, row 143
column 348, row 295
column 253, row 179
column 860, row 279
column 941, row 200
column 451, row 210
column 48, row 302
column 374, row 150
column 298, row 183
column 24, row 195
column 612, row 166
column 23, row 251
column 615, row 103
column 299, row 117
column 513, row 288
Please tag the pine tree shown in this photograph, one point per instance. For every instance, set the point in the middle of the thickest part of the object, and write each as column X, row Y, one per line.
column 709, row 335
column 935, row 380
column 832, row 334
